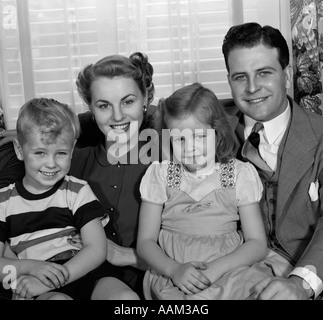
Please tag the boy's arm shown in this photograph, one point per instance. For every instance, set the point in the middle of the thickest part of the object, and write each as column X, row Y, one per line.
column 93, row 253
column 50, row 274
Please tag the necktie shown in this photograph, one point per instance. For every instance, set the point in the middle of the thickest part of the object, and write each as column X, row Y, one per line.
column 250, row 148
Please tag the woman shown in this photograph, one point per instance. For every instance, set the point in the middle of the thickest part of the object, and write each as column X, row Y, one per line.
column 118, row 91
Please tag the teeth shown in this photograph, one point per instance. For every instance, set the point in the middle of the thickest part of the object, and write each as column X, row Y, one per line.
column 120, row 127
column 48, row 174
column 257, row 100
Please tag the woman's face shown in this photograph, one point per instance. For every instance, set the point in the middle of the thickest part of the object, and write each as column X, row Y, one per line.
column 117, row 105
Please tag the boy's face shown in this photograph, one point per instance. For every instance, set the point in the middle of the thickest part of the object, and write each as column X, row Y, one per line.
column 46, row 160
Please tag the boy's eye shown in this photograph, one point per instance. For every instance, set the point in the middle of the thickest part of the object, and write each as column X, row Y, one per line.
column 39, row 153
column 61, row 154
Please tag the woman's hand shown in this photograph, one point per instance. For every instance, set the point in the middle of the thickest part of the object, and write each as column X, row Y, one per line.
column 7, row 136
column 116, row 255
column 188, row 277
column 122, row 256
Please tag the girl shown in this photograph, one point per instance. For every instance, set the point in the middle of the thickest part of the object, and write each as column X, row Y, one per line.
column 192, row 206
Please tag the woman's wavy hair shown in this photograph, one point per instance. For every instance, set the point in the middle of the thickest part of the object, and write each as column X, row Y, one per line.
column 202, row 103
column 136, row 67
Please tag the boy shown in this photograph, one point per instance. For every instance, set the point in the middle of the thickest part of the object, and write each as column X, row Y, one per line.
column 39, row 214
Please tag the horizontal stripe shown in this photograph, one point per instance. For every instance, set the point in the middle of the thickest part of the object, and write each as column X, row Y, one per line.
column 23, row 245
column 33, row 221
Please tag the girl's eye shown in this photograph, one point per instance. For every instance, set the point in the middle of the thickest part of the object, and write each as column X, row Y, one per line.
column 201, row 136
column 178, row 139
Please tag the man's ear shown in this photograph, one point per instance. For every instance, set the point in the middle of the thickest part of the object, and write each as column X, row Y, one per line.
column 289, row 76
column 18, row 150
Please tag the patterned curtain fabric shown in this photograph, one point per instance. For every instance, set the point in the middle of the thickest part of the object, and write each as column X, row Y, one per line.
column 307, row 41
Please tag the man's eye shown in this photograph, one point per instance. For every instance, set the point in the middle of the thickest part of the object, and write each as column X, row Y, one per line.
column 264, row 73
column 239, row 78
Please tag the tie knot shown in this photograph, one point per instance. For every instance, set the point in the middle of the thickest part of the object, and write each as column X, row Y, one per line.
column 257, row 127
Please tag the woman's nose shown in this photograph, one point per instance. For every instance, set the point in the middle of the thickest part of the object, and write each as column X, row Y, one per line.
column 118, row 113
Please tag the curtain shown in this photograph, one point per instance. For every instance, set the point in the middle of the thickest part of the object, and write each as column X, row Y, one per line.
column 307, row 48
column 45, row 43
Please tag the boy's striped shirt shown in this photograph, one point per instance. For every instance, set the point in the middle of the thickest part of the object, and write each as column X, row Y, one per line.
column 38, row 226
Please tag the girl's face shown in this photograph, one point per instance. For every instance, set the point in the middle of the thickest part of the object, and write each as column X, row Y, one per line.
column 194, row 143
column 46, row 160
column 117, row 105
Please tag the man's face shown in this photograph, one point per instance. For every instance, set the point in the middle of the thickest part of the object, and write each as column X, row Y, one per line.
column 258, row 82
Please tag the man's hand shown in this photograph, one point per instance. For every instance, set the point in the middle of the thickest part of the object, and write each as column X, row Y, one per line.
column 278, row 288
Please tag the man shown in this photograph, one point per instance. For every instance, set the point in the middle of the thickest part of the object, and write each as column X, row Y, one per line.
column 291, row 148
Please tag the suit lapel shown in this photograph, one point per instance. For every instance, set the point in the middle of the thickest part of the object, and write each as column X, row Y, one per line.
column 297, row 156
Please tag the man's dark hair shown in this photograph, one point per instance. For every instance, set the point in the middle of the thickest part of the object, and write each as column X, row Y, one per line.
column 251, row 34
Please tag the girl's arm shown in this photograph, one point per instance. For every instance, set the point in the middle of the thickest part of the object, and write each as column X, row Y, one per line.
column 186, row 276
column 93, row 252
column 253, row 249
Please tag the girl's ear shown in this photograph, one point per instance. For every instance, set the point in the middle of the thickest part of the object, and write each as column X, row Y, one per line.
column 18, row 150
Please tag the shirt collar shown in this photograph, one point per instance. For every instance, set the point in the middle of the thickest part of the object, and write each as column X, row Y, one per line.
column 101, row 155
column 273, row 128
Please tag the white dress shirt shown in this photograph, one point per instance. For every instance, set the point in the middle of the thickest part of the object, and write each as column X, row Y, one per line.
column 270, row 136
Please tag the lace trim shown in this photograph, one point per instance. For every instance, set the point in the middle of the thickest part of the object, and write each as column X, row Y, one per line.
column 227, row 174
column 174, row 175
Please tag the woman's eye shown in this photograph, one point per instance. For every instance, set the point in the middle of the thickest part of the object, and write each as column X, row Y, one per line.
column 128, row 102
column 104, row 106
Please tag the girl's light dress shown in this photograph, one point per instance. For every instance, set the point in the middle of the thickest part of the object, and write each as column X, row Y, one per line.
column 199, row 223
